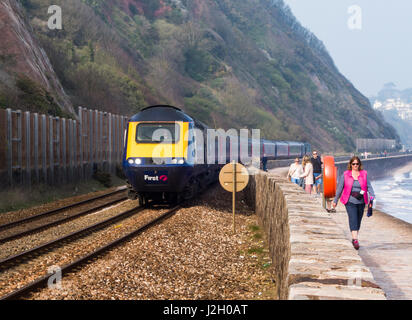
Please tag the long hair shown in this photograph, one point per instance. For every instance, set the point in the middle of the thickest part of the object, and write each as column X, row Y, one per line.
column 351, row 161
column 305, row 160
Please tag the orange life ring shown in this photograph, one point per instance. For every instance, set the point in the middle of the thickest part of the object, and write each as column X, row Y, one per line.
column 329, row 177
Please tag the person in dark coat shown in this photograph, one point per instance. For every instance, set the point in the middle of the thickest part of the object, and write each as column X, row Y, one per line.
column 317, row 171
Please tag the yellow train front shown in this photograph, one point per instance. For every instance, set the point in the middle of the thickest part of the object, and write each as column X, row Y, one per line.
column 159, row 157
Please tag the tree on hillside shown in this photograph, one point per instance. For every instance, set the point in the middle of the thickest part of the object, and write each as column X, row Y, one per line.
column 91, row 51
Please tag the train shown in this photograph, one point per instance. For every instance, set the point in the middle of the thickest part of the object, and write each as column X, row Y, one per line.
column 170, row 156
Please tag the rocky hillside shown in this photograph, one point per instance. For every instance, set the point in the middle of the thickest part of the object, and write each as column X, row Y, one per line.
column 27, row 79
column 232, row 64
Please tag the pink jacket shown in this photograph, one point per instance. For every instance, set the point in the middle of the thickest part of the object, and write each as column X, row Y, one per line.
column 363, row 181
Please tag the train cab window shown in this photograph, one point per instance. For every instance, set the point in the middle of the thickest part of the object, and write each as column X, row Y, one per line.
column 157, row 133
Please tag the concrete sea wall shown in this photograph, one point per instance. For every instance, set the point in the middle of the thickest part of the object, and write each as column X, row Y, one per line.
column 311, row 257
column 378, row 168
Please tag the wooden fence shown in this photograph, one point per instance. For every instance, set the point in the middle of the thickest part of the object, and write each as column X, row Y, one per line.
column 45, row 149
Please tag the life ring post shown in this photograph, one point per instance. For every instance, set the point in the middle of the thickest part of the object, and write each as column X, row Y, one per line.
column 329, row 178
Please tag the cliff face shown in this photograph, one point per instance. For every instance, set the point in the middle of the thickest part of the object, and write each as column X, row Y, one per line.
column 231, row 64
column 24, row 66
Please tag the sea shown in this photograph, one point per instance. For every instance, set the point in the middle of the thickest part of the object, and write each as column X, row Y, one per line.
column 394, row 194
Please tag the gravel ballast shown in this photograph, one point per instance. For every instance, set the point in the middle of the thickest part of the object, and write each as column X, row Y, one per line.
column 17, row 276
column 192, row 255
column 12, row 216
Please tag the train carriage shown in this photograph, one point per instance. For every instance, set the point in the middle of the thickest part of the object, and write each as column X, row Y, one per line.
column 282, row 150
column 168, row 154
column 295, row 149
column 269, row 149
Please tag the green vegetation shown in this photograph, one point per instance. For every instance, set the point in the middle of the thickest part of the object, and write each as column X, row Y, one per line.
column 37, row 99
column 254, row 227
column 231, row 64
column 200, row 65
column 259, row 247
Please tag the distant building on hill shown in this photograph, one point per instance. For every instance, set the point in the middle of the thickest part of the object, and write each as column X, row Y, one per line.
column 403, row 109
column 375, row 145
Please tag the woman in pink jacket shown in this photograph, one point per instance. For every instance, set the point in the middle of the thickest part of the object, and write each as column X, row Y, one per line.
column 354, row 187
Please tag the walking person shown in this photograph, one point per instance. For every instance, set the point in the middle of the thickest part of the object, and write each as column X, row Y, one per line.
column 317, row 171
column 307, row 174
column 354, row 187
column 264, row 164
column 295, row 170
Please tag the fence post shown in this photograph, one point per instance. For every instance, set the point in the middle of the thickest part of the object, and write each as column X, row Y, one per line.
column 28, row 150
column 109, row 118
column 75, row 159
column 36, row 146
column 51, row 151
column 96, row 137
column 101, row 140
column 20, row 142
column 106, row 141
column 71, row 151
column 91, row 159
column 113, row 158
column 116, row 146
column 9, row 147
column 64, row 149
column 58, row 150
column 119, row 139
column 81, row 141
column 44, row 147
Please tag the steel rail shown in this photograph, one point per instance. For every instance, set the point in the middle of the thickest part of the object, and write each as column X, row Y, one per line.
column 60, row 221
column 57, row 210
column 13, row 260
column 42, row 281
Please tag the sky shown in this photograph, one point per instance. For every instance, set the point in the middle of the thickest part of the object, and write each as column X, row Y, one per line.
column 370, row 44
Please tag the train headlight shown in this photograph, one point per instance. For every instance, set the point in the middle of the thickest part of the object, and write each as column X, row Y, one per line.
column 132, row 161
column 174, row 161
column 181, row 161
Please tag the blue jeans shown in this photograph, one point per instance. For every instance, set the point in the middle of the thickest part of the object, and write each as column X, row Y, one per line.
column 355, row 214
column 319, row 181
column 295, row 180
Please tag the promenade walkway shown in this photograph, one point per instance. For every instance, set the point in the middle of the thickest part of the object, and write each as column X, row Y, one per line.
column 386, row 248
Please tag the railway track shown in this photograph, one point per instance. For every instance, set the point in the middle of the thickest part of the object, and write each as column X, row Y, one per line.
column 20, row 257
column 12, row 261
column 51, row 215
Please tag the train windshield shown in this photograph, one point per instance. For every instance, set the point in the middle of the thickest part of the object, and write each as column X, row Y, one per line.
column 157, row 132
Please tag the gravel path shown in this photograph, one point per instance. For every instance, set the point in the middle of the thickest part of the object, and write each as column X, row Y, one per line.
column 192, row 255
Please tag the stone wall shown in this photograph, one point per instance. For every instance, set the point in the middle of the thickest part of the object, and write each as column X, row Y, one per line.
column 311, row 257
